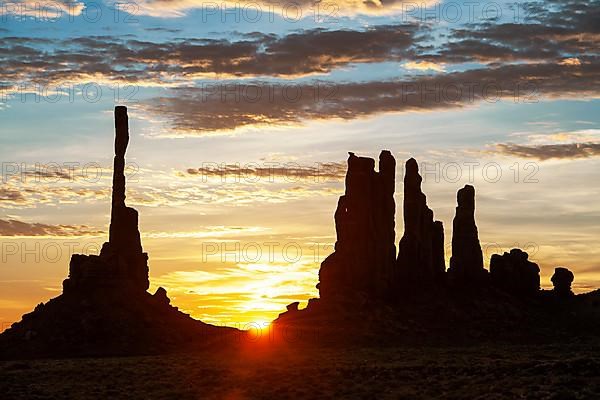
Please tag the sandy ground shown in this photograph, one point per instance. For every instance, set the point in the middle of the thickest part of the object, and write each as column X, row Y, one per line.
column 269, row 372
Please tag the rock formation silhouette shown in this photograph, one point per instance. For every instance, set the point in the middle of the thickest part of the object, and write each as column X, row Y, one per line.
column 562, row 280
column 104, row 308
column 421, row 249
column 422, row 301
column 364, row 287
column 514, row 273
column 363, row 260
column 122, row 264
column 466, row 263
column 362, row 267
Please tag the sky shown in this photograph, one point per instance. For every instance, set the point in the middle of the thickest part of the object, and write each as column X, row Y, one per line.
column 241, row 117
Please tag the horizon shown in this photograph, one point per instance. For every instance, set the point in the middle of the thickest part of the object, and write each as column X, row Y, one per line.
column 217, row 181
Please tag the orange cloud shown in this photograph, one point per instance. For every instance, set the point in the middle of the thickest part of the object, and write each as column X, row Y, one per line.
column 12, row 227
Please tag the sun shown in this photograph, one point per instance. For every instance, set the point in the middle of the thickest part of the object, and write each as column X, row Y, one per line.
column 258, row 328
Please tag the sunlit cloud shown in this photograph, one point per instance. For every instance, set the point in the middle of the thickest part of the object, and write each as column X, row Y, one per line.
column 211, row 232
column 584, row 135
column 226, row 184
column 110, row 59
column 550, row 151
column 275, row 171
column 12, row 228
column 49, row 11
column 266, row 9
column 424, row 66
column 552, row 31
column 200, row 111
column 574, row 61
column 561, row 145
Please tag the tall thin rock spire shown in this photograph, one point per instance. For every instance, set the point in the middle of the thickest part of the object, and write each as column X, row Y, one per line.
column 421, row 249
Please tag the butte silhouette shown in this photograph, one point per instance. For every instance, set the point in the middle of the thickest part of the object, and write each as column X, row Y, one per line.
column 366, row 291
column 105, row 308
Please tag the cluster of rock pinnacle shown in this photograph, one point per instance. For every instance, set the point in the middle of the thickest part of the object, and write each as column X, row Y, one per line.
column 365, row 260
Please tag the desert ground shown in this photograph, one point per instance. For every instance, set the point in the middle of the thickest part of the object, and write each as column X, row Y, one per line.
column 570, row 371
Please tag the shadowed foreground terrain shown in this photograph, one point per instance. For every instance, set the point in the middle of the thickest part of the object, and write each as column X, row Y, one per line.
column 502, row 372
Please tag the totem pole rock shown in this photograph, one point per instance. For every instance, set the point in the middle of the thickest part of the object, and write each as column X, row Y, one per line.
column 104, row 308
column 124, row 237
column 122, row 262
column 466, row 263
column 514, row 273
column 363, row 259
column 421, row 249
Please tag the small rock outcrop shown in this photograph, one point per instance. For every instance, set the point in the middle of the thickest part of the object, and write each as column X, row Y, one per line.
column 466, row 263
column 421, row 249
column 161, row 296
column 514, row 273
column 363, row 260
column 562, row 280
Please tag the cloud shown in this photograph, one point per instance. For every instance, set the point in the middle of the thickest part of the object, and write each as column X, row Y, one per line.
column 52, row 185
column 563, row 32
column 578, row 136
column 44, row 11
column 570, row 61
column 577, row 144
column 13, row 227
column 212, row 232
column 163, row 30
column 154, row 188
column 316, row 10
column 11, row 196
column 226, row 107
column 550, row 151
column 424, row 66
column 288, row 172
column 28, row 62
column 550, row 30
